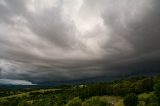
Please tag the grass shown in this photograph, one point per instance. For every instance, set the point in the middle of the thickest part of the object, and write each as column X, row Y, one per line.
column 113, row 99
column 27, row 93
column 119, row 103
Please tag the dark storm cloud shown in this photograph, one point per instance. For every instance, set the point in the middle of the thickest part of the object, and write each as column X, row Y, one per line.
column 141, row 33
column 65, row 40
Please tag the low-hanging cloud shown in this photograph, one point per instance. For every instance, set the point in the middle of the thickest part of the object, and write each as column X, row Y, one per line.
column 57, row 40
column 15, row 82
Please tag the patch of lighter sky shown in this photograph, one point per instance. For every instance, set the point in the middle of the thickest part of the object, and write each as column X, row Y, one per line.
column 87, row 21
column 36, row 6
column 2, row 2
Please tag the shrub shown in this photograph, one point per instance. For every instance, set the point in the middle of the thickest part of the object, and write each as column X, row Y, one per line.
column 130, row 100
column 75, row 102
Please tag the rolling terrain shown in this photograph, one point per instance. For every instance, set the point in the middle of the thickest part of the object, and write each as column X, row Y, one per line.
column 87, row 94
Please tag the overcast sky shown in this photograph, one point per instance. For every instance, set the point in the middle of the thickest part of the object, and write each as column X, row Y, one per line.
column 60, row 40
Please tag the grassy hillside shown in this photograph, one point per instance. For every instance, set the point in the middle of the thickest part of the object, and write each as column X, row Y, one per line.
column 147, row 90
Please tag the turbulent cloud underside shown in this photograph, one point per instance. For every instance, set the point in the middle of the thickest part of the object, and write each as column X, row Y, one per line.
column 57, row 40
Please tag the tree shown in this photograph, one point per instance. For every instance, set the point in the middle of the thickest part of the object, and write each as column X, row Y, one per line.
column 157, row 92
column 130, row 100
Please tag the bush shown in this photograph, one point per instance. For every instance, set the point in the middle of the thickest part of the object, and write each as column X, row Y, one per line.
column 96, row 101
column 75, row 102
column 130, row 100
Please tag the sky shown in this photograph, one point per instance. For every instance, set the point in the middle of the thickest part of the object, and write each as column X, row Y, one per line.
column 63, row 40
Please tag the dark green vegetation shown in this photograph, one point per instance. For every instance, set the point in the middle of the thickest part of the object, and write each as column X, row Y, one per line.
column 131, row 100
column 137, row 91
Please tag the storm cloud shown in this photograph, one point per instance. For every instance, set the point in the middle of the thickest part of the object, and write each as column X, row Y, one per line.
column 61, row 40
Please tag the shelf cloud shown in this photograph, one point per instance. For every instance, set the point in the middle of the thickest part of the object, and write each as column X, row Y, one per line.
column 59, row 40
column 14, row 82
